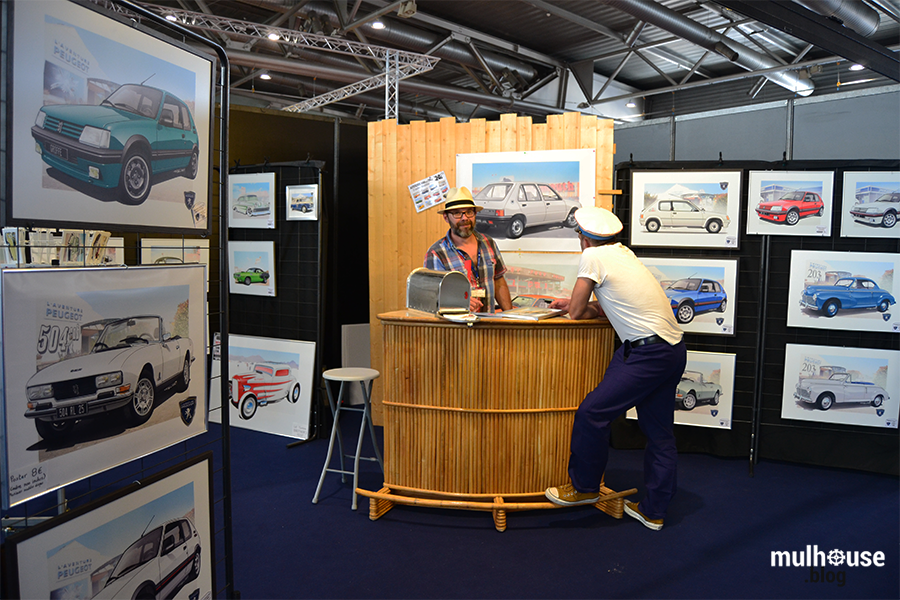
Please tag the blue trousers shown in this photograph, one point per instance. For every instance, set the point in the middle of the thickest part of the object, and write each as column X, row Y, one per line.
column 645, row 379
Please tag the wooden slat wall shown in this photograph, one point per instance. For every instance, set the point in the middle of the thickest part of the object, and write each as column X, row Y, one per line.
column 402, row 154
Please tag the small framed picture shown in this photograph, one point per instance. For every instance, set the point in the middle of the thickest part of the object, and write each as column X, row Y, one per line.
column 790, row 202
column 251, row 200
column 302, row 202
column 870, row 204
column 252, row 268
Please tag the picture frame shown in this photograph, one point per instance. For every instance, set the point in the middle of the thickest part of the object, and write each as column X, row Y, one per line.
column 790, row 203
column 271, row 385
column 702, row 292
column 840, row 385
column 696, row 209
column 512, row 181
column 705, row 395
column 89, row 551
column 302, row 202
column 175, row 251
column 251, row 201
column 864, row 280
column 67, row 58
column 252, row 268
column 114, row 252
column 870, row 203
column 13, row 251
column 136, row 336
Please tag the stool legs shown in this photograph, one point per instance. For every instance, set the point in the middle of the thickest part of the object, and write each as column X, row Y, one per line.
column 336, row 409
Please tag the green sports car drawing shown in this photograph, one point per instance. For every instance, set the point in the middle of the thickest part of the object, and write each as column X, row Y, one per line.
column 251, row 275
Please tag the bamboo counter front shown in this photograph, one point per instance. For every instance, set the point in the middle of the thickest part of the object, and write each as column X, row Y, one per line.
column 479, row 417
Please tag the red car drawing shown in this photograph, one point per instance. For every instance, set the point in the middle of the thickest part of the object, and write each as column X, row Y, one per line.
column 267, row 384
column 791, row 207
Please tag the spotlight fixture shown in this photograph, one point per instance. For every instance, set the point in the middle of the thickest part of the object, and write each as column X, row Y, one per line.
column 265, row 76
column 274, row 36
column 377, row 25
column 630, row 104
column 172, row 18
column 856, row 67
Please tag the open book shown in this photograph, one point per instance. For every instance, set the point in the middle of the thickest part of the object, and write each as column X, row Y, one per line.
column 526, row 313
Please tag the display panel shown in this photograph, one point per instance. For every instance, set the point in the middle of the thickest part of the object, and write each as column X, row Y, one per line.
column 111, row 125
column 151, row 539
column 101, row 366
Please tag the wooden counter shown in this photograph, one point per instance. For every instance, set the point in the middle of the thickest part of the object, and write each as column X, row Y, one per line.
column 479, row 417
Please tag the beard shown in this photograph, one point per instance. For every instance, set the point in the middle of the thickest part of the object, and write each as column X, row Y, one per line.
column 463, row 230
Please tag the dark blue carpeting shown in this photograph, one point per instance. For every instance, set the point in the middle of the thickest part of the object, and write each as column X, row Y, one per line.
column 717, row 543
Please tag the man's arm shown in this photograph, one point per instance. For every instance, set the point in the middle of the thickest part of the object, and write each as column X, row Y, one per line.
column 580, row 306
column 501, row 293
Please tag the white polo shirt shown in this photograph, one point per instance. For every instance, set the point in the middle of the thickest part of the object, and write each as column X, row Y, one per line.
column 629, row 294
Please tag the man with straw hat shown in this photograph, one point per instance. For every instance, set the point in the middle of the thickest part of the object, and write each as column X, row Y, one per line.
column 465, row 250
column 643, row 373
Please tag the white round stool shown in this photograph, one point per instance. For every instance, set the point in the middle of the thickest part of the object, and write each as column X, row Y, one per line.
column 347, row 376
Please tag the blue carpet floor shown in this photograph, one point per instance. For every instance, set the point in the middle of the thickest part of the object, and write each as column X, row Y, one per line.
column 718, row 539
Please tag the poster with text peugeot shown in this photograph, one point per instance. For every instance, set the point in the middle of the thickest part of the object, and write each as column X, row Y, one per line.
column 151, row 539
column 843, row 291
column 702, row 292
column 790, row 202
column 110, row 125
column 695, row 209
column 705, row 395
column 870, row 204
column 851, row 386
column 271, row 385
column 101, row 366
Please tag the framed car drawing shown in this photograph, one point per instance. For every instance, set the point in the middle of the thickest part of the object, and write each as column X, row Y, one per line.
column 850, row 386
column 175, row 251
column 697, row 209
column 252, row 267
column 701, row 292
column 528, row 198
column 111, row 122
column 870, row 204
column 302, row 202
column 110, row 367
column 152, row 538
column 251, row 200
column 271, row 385
column 705, row 395
column 843, row 290
column 790, row 202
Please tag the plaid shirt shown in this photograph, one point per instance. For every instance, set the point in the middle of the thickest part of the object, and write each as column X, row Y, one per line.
column 445, row 256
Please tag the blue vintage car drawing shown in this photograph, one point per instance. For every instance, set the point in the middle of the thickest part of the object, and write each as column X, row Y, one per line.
column 694, row 295
column 135, row 134
column 846, row 293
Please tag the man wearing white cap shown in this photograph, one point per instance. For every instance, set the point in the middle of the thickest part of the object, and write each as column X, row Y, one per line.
column 643, row 373
column 465, row 250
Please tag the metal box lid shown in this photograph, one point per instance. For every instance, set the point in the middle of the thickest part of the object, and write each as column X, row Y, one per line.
column 438, row 292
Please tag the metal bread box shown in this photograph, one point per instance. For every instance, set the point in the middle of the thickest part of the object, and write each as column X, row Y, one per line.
column 438, row 292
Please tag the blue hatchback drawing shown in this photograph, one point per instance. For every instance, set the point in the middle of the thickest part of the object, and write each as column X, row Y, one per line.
column 694, row 295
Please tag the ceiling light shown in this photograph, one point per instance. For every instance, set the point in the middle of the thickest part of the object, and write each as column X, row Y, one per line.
column 377, row 25
column 274, row 36
column 172, row 18
column 630, row 104
column 856, row 67
column 265, row 76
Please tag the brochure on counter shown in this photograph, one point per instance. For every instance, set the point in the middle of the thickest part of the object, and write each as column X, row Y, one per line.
column 525, row 313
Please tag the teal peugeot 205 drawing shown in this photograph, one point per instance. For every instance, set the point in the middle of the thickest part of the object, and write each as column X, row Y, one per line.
column 137, row 133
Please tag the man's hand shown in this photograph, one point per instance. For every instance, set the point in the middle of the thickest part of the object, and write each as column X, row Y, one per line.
column 474, row 304
column 562, row 303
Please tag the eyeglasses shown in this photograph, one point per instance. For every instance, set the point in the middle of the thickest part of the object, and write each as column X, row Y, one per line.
column 459, row 214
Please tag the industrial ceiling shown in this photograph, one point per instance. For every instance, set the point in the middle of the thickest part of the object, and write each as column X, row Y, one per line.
column 623, row 59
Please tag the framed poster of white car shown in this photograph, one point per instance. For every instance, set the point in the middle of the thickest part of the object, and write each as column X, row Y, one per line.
column 271, row 385
column 111, row 123
column 696, row 209
column 251, row 200
column 850, row 386
column 870, row 204
column 705, row 395
column 843, row 290
column 790, row 202
column 701, row 291
column 152, row 538
column 101, row 366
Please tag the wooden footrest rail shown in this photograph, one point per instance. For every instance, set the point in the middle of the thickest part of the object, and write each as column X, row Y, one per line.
column 383, row 500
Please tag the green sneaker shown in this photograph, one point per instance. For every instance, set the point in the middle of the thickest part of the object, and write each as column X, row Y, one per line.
column 633, row 511
column 566, row 495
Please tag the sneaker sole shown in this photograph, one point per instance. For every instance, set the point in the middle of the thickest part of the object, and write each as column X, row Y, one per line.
column 560, row 502
column 636, row 515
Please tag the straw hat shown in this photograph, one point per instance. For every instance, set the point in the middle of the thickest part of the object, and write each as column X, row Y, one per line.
column 597, row 223
column 459, row 198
